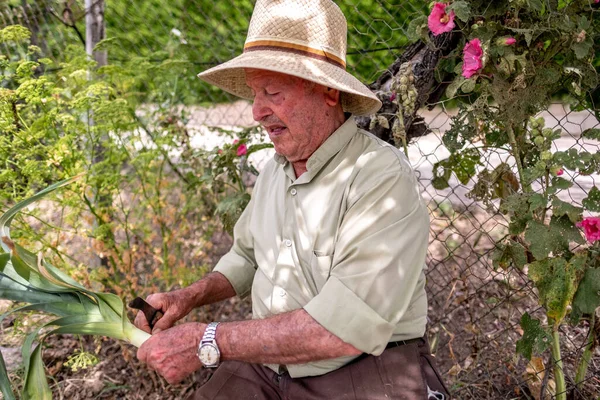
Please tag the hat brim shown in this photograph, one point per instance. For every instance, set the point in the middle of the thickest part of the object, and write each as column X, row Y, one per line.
column 231, row 77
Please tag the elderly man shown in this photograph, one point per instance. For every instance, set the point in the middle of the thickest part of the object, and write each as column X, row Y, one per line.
column 331, row 247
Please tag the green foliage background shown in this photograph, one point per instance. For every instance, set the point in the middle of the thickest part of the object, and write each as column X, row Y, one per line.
column 211, row 33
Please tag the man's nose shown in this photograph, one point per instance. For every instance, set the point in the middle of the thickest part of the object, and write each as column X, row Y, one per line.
column 260, row 109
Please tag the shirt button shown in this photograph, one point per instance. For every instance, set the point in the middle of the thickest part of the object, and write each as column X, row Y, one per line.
column 293, row 192
column 282, row 293
column 288, row 242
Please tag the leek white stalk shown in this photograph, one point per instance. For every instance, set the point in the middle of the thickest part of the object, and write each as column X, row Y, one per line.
column 25, row 277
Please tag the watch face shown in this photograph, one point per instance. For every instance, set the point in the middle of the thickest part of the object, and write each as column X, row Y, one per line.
column 209, row 355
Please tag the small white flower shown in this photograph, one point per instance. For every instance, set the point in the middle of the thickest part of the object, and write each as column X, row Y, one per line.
column 176, row 32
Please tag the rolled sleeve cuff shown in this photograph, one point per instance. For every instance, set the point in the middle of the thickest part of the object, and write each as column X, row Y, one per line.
column 238, row 272
column 343, row 313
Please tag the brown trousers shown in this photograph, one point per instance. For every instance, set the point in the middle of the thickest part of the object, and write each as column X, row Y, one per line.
column 402, row 372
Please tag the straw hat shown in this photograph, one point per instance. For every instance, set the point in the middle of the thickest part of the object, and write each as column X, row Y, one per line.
column 304, row 38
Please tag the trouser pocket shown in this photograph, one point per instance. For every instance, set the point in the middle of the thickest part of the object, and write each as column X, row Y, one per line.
column 433, row 377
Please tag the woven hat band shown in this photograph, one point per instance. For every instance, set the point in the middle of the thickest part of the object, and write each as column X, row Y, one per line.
column 277, row 45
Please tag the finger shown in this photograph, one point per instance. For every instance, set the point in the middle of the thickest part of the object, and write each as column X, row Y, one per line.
column 142, row 353
column 141, row 322
column 164, row 322
column 155, row 300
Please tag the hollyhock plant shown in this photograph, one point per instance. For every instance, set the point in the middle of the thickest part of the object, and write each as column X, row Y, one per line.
column 439, row 21
column 591, row 228
column 472, row 58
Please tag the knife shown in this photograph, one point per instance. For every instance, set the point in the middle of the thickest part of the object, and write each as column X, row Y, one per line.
column 152, row 314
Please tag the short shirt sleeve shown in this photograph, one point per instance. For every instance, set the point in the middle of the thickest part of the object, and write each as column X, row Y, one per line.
column 378, row 259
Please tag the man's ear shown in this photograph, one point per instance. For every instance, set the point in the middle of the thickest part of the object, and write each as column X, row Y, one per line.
column 332, row 97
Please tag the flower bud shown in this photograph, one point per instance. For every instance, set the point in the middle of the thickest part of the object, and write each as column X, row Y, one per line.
column 539, row 141
column 506, row 41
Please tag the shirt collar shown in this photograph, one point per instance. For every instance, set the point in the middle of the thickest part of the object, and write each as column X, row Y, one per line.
column 332, row 145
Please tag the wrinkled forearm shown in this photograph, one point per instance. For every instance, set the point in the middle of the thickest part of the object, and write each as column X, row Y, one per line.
column 289, row 338
column 210, row 289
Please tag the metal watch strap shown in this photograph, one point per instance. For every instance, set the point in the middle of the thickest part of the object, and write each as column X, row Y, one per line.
column 209, row 333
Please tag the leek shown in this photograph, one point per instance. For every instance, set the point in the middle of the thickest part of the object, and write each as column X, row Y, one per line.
column 27, row 278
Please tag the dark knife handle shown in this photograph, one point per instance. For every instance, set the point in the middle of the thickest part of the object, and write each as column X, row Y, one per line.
column 152, row 314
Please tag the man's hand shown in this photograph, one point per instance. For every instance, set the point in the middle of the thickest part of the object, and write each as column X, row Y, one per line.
column 172, row 352
column 174, row 305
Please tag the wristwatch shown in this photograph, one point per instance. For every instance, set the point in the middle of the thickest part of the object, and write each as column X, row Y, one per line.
column 208, row 351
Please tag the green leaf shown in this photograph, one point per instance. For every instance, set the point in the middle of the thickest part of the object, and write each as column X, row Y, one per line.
column 468, row 85
column 463, row 165
column 560, row 208
column 592, row 133
column 592, row 201
column 553, row 238
column 462, row 9
column 583, row 23
column 582, row 49
column 5, row 388
column 36, row 386
column 540, row 241
column 555, row 280
column 537, row 202
column 8, row 216
column 587, row 297
column 230, row 209
column 535, row 338
column 415, row 28
column 563, row 228
column 511, row 253
column 536, row 5
column 547, row 76
column 453, row 87
column 557, row 184
column 516, row 203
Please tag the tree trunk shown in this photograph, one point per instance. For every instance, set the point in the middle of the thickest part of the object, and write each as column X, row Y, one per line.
column 94, row 29
column 413, row 71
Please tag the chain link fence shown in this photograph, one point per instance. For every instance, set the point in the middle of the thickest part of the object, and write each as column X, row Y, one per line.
column 474, row 308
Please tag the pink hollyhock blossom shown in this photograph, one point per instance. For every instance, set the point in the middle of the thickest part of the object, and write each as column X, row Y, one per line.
column 591, row 228
column 438, row 21
column 472, row 62
column 560, row 172
column 242, row 150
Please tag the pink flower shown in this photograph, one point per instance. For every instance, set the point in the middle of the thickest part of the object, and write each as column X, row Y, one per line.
column 438, row 21
column 509, row 41
column 242, row 150
column 472, row 62
column 560, row 172
column 591, row 228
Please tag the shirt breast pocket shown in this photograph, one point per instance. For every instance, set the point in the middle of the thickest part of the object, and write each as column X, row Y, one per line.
column 320, row 268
